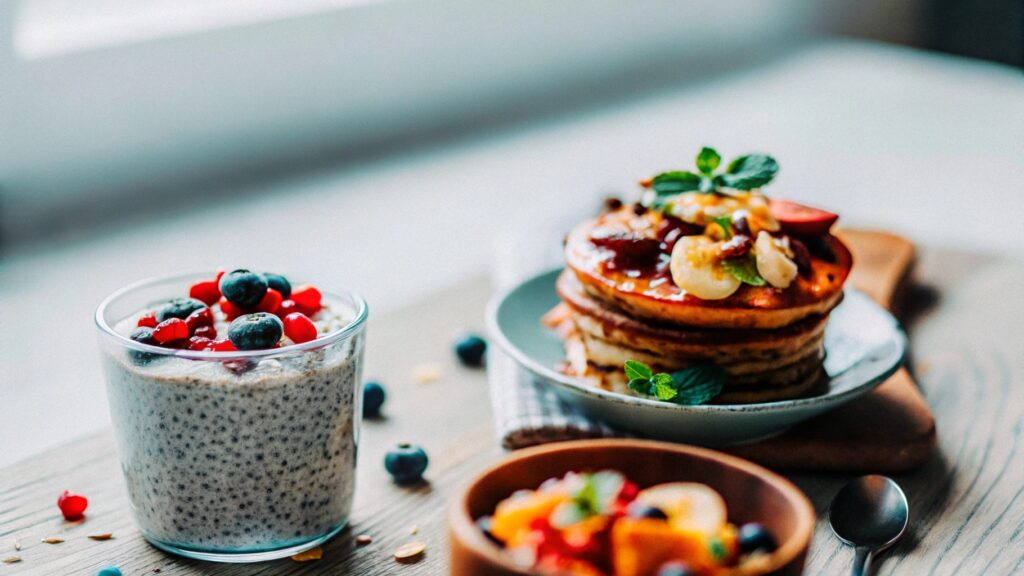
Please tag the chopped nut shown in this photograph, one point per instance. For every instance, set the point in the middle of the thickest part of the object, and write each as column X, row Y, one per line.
column 427, row 373
column 410, row 553
column 12, row 559
column 363, row 539
column 311, row 554
column 52, row 540
column 101, row 537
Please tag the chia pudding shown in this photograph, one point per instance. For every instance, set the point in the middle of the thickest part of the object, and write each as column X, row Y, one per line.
column 235, row 455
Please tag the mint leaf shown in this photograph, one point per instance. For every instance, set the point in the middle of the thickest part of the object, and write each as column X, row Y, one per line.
column 698, row 384
column 637, row 370
column 640, row 385
column 707, row 160
column 726, row 223
column 663, row 386
column 744, row 268
column 675, row 182
column 717, row 549
column 748, row 172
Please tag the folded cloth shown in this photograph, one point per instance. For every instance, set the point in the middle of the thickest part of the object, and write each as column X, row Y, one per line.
column 527, row 411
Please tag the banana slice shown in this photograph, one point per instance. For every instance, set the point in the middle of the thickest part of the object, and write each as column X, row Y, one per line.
column 695, row 268
column 689, row 505
column 773, row 262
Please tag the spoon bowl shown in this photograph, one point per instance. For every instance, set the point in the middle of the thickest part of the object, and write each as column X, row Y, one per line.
column 870, row 513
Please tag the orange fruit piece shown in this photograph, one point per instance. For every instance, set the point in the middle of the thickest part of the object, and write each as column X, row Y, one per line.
column 641, row 545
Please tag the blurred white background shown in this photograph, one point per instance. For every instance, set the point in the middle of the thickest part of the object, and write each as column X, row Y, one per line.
column 399, row 147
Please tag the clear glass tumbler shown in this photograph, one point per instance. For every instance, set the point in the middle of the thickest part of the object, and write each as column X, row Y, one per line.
column 234, row 456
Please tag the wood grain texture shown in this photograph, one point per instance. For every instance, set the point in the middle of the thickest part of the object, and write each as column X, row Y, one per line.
column 967, row 502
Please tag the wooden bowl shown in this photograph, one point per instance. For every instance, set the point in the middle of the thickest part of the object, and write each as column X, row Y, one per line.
column 752, row 494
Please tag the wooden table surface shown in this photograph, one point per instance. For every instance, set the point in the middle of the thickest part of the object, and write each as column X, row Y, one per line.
column 967, row 507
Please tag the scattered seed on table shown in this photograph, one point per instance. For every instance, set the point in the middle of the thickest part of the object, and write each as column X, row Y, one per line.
column 51, row 540
column 101, row 537
column 17, row 544
column 311, row 554
column 12, row 559
column 410, row 553
column 427, row 373
column 363, row 539
column 413, row 530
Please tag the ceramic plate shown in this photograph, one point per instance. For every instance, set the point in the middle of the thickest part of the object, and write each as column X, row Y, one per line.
column 864, row 345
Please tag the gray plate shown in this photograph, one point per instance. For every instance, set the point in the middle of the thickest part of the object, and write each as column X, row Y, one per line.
column 863, row 344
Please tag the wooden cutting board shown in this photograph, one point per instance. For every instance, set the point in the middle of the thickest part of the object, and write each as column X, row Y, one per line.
column 888, row 430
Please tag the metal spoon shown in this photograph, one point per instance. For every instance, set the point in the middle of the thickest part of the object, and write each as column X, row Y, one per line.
column 870, row 513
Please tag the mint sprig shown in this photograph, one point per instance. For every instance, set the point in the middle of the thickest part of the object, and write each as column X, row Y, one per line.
column 689, row 387
column 743, row 173
column 744, row 268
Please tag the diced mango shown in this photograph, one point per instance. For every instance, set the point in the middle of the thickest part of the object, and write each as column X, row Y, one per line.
column 641, row 545
column 515, row 514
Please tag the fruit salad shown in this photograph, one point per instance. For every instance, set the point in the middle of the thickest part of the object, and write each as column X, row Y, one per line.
column 602, row 524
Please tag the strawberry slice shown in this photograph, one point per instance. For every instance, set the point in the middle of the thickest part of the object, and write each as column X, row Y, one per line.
column 800, row 220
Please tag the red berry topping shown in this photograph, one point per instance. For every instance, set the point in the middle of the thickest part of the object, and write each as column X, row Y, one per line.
column 198, row 319
column 230, row 310
column 224, row 345
column 72, row 506
column 148, row 320
column 308, row 299
column 199, row 343
column 299, row 328
column 207, row 291
column 220, row 272
column 170, row 330
column 206, row 332
column 287, row 307
column 271, row 301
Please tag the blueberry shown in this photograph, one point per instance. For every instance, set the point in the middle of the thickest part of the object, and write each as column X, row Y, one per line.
column 143, row 335
column 256, row 331
column 484, row 524
column 179, row 308
column 373, row 399
column 641, row 510
column 243, row 288
column 470, row 350
column 279, row 283
column 675, row 568
column 755, row 537
column 406, row 463
column 109, row 571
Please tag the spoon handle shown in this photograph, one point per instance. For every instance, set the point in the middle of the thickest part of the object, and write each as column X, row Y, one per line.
column 861, row 561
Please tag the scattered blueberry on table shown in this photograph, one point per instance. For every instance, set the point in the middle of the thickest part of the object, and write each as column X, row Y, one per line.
column 755, row 537
column 406, row 463
column 109, row 571
column 373, row 398
column 675, row 568
column 256, row 331
column 471, row 349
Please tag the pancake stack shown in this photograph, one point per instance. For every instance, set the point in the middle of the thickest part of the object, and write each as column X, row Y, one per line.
column 622, row 298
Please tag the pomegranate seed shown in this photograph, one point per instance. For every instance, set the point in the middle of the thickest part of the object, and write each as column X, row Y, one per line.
column 230, row 310
column 170, row 330
column 224, row 345
column 308, row 299
column 72, row 506
column 199, row 318
column 287, row 307
column 271, row 301
column 299, row 328
column 148, row 320
column 199, row 343
column 206, row 332
column 206, row 291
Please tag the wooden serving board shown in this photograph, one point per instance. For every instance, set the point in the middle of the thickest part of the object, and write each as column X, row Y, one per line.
column 890, row 429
